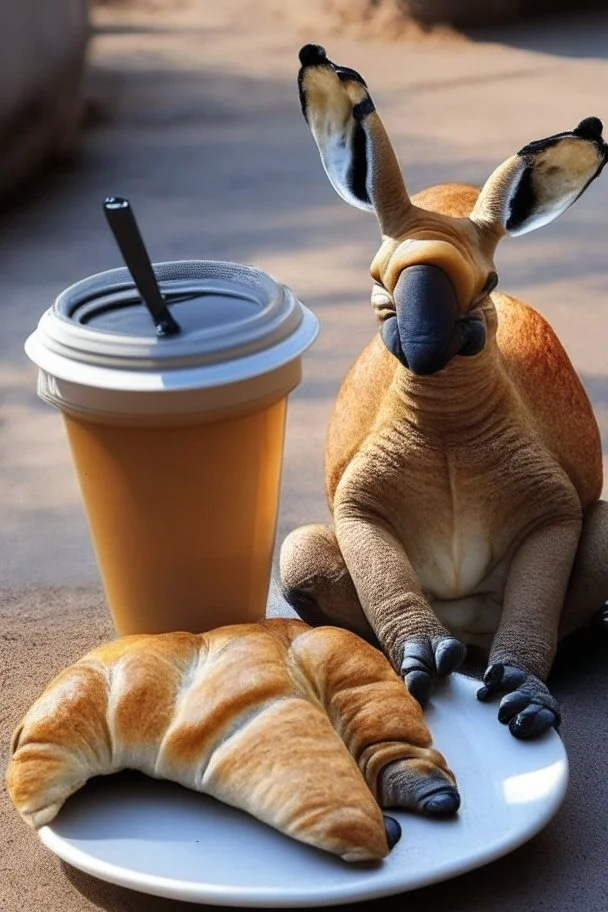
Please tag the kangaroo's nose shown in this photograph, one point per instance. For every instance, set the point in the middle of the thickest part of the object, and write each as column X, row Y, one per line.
column 427, row 330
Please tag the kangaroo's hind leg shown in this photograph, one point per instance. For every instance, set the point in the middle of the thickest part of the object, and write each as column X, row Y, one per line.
column 316, row 582
column 587, row 593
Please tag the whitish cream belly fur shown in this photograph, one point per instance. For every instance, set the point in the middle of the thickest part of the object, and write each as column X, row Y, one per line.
column 460, row 520
column 464, row 588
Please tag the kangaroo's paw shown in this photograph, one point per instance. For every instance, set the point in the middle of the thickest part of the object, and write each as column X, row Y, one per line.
column 527, row 707
column 427, row 658
column 419, row 785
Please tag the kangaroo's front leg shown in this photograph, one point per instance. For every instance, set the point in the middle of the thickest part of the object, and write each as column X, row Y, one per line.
column 524, row 645
column 409, row 633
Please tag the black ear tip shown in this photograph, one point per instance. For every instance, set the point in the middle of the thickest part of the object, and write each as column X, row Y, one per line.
column 590, row 128
column 312, row 54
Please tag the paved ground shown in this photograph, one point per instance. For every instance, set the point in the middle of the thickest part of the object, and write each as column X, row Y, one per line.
column 203, row 133
column 206, row 137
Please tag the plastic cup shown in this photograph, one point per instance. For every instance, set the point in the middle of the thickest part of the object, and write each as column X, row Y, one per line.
column 177, row 441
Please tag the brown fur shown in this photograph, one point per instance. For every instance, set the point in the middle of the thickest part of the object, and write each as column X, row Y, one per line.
column 508, row 437
column 530, row 356
column 459, row 498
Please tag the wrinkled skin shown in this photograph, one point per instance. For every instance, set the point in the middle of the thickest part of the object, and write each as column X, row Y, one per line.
column 463, row 460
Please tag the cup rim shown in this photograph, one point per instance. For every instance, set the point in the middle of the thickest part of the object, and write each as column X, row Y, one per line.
column 103, row 372
column 281, row 330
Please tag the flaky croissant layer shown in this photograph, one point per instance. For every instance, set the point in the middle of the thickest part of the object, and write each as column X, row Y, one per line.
column 306, row 729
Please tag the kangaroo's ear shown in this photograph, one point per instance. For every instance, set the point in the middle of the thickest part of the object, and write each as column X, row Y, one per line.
column 535, row 186
column 355, row 150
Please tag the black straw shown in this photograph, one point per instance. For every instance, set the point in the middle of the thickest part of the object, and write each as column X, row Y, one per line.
column 122, row 222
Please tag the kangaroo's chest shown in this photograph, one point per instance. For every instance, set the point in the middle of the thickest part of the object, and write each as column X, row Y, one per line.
column 449, row 520
column 461, row 505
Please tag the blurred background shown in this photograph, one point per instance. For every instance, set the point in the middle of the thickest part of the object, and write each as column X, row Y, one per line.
column 190, row 109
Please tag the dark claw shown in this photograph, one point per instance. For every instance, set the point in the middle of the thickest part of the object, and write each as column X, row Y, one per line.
column 512, row 704
column 419, row 684
column 527, row 707
column 417, row 668
column 499, row 677
column 392, row 828
column 417, row 656
column 532, row 721
column 449, row 655
column 426, row 658
column 494, row 673
column 442, row 803
column 512, row 678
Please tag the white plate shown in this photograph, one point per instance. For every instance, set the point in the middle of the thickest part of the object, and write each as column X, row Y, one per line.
column 158, row 838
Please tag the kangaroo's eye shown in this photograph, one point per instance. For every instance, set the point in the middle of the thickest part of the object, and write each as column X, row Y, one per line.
column 491, row 283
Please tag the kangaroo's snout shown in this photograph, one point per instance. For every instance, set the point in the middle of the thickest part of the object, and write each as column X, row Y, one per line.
column 427, row 330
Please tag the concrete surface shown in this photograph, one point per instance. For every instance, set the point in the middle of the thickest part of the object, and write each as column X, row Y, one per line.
column 204, row 134
column 201, row 129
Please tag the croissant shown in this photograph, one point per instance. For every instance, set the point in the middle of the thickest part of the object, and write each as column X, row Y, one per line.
column 309, row 730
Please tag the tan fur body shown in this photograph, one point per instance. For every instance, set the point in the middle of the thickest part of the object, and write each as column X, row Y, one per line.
column 293, row 725
column 464, row 464
column 463, row 460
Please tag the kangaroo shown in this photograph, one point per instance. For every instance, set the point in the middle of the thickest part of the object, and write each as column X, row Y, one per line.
column 463, row 461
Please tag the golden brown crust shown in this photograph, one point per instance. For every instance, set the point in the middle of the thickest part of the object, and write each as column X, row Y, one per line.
column 63, row 741
column 272, row 718
column 360, row 691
